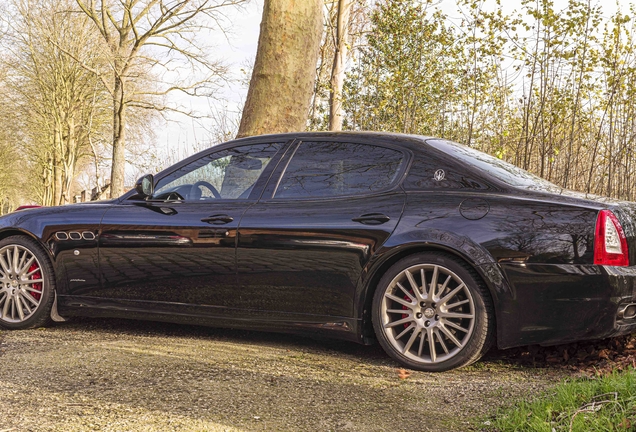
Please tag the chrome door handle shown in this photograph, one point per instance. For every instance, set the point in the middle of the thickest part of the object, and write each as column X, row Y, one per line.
column 219, row 219
column 372, row 219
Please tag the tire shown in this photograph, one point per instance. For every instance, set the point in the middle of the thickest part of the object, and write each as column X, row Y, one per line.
column 417, row 328
column 26, row 294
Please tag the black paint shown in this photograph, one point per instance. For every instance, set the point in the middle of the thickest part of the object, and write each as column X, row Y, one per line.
column 309, row 265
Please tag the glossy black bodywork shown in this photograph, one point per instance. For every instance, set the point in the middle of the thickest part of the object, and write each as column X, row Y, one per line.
column 308, row 266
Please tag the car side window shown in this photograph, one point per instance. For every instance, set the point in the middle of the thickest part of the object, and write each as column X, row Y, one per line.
column 328, row 169
column 226, row 174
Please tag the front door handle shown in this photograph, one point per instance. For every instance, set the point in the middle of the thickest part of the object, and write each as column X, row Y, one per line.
column 372, row 219
column 218, row 219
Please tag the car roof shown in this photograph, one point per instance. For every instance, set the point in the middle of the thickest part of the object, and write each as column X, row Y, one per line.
column 370, row 136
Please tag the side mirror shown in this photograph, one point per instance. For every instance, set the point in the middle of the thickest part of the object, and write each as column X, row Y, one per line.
column 145, row 186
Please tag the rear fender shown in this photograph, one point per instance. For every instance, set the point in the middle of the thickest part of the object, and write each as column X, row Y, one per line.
column 407, row 243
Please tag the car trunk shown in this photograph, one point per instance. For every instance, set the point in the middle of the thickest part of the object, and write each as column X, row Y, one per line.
column 625, row 211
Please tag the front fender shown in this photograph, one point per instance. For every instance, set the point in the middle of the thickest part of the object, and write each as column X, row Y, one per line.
column 16, row 224
column 70, row 258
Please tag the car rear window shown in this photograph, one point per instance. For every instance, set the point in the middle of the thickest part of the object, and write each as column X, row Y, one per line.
column 503, row 171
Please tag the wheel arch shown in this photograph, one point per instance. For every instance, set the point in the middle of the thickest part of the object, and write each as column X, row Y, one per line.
column 8, row 232
column 496, row 285
column 15, row 231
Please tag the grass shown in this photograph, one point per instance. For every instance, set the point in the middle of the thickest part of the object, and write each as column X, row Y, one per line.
column 605, row 403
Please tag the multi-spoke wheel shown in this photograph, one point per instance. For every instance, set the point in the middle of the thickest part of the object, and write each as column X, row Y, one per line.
column 25, row 284
column 432, row 313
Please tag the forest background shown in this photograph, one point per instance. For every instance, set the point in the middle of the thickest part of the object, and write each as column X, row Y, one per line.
column 547, row 86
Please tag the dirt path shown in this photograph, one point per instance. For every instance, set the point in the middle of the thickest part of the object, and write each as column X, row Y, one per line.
column 115, row 375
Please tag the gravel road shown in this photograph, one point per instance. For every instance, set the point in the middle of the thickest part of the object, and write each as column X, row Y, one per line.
column 119, row 375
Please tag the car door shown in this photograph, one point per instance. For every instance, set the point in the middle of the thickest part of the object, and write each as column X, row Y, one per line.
column 327, row 209
column 179, row 246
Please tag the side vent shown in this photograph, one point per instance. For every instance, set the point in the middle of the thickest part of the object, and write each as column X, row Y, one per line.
column 61, row 236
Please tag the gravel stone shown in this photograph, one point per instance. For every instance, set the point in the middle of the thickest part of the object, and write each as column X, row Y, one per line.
column 121, row 375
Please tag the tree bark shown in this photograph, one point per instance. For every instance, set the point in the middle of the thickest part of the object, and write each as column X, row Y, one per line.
column 118, row 169
column 57, row 166
column 339, row 61
column 285, row 69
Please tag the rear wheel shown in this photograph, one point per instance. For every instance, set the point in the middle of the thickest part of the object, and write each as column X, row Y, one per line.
column 27, row 287
column 432, row 312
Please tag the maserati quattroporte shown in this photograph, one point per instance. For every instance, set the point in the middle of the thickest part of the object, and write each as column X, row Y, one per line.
column 435, row 250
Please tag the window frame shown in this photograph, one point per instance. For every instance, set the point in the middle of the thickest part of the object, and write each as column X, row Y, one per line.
column 259, row 185
column 269, row 193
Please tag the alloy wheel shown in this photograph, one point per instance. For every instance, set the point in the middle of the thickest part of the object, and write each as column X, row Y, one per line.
column 21, row 283
column 428, row 313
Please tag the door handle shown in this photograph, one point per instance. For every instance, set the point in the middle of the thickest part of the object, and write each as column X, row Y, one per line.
column 372, row 219
column 218, row 219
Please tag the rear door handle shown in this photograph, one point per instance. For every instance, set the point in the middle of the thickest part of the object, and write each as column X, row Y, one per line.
column 218, row 219
column 372, row 219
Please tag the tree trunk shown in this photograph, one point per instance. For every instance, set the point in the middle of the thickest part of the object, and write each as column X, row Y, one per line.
column 339, row 60
column 69, row 161
column 57, row 166
column 118, row 169
column 47, row 194
column 285, row 69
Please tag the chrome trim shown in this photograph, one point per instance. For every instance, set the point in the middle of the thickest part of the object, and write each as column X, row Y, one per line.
column 87, row 235
column 621, row 311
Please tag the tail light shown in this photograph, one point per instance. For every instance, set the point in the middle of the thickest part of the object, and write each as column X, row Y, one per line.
column 610, row 243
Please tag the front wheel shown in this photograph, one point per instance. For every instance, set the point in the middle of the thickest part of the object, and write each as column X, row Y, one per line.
column 26, row 284
column 433, row 313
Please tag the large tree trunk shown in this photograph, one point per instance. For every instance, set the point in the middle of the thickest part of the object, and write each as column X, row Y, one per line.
column 118, row 169
column 339, row 62
column 285, row 69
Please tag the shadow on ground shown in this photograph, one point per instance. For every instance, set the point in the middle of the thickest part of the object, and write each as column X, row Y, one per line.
column 94, row 374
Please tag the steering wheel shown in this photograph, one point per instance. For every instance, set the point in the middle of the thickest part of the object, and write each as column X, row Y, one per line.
column 195, row 192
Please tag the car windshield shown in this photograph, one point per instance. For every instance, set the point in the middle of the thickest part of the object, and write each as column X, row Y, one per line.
column 501, row 170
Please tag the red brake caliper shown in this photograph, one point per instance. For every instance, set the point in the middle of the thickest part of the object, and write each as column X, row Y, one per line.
column 405, row 308
column 36, row 286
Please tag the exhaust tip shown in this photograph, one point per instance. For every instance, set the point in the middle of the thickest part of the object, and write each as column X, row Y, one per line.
column 627, row 311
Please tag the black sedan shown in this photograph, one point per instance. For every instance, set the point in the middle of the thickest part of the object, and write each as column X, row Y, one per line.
column 435, row 250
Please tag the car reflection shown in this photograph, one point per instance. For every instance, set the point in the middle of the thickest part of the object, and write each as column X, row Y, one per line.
column 137, row 239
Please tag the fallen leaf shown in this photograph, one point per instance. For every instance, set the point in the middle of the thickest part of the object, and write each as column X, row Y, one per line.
column 403, row 374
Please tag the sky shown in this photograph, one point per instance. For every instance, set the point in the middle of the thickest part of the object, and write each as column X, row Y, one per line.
column 181, row 136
